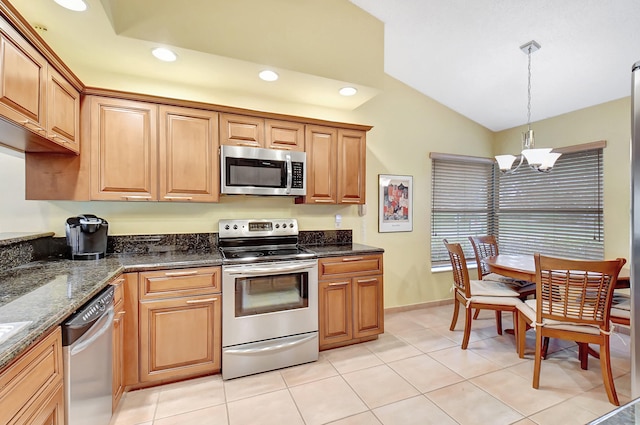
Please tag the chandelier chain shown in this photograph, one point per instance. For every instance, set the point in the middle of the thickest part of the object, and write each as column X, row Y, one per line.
column 529, row 91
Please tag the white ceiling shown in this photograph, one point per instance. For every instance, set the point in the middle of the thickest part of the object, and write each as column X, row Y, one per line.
column 464, row 54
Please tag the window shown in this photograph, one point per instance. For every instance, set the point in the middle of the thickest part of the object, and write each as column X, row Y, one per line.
column 558, row 213
column 462, row 202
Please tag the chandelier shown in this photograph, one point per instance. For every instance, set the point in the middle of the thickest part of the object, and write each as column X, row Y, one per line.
column 541, row 159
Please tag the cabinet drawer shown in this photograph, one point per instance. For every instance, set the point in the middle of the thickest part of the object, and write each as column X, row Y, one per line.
column 33, row 374
column 350, row 265
column 118, row 290
column 179, row 282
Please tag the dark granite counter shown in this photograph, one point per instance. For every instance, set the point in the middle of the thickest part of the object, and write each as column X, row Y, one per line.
column 39, row 295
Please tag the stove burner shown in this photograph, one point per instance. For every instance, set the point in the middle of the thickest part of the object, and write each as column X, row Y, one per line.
column 244, row 254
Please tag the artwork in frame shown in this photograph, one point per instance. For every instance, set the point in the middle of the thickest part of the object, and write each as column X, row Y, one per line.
column 396, row 203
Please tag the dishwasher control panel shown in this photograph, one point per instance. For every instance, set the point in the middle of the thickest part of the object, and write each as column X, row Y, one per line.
column 80, row 321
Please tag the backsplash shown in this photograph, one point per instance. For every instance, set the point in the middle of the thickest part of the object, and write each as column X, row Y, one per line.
column 18, row 251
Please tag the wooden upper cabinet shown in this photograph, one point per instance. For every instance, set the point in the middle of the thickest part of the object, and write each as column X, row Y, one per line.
column 241, row 130
column 188, row 147
column 336, row 166
column 23, row 80
column 63, row 111
column 321, row 147
column 352, row 151
column 123, row 140
column 284, row 135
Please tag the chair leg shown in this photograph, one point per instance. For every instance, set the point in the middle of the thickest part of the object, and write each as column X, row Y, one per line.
column 538, row 358
column 583, row 355
column 499, row 322
column 607, row 377
column 467, row 327
column 521, row 335
column 476, row 314
column 456, row 309
column 545, row 347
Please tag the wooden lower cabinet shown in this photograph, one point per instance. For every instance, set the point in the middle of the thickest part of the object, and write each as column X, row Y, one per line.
column 351, row 301
column 118, row 341
column 31, row 388
column 180, row 326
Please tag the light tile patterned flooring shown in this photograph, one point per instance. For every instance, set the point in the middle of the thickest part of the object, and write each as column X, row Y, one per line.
column 415, row 373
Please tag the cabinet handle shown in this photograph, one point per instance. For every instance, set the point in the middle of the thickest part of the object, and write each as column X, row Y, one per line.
column 367, row 280
column 329, row 201
column 182, row 198
column 282, row 148
column 208, row 300
column 338, row 283
column 253, row 145
column 349, row 201
column 174, row 274
column 346, row 260
column 136, row 197
column 55, row 136
column 28, row 122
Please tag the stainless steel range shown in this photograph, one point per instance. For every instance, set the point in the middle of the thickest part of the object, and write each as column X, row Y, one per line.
column 269, row 297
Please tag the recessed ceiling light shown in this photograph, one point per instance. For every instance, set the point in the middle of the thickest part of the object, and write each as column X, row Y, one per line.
column 348, row 91
column 268, row 75
column 75, row 5
column 164, row 54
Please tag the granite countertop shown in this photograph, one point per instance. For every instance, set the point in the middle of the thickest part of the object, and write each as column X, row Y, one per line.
column 40, row 295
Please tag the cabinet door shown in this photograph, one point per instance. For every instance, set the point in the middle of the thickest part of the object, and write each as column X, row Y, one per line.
column 123, row 150
column 23, row 78
column 241, row 130
column 188, row 149
column 63, row 111
column 368, row 308
column 321, row 147
column 284, row 135
column 335, row 312
column 351, row 166
column 180, row 337
column 51, row 411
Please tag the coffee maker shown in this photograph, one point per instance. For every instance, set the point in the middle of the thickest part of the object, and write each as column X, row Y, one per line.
column 87, row 237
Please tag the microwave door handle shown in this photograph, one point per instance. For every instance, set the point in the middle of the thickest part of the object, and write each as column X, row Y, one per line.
column 289, row 173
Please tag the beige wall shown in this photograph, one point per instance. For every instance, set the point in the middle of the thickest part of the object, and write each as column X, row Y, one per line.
column 610, row 122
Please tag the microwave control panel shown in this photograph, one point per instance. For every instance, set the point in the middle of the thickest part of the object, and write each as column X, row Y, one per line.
column 297, row 169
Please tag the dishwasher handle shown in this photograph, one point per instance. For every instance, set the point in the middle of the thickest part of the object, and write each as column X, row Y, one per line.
column 99, row 328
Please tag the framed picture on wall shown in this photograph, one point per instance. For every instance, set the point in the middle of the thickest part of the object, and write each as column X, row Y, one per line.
column 395, row 201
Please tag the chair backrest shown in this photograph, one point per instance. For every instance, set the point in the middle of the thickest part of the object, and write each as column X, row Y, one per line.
column 459, row 266
column 483, row 247
column 577, row 291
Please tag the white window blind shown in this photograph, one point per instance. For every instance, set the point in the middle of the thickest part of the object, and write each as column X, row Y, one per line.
column 462, row 203
column 558, row 214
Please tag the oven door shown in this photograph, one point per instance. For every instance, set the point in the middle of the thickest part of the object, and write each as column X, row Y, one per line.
column 268, row 300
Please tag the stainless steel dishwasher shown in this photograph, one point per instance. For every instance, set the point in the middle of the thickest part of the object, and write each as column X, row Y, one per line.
column 87, row 346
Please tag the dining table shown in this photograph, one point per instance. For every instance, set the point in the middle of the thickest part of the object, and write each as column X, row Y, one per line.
column 522, row 267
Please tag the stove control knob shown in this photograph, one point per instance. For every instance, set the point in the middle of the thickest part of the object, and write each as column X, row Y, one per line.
column 278, row 226
column 226, row 227
column 235, row 227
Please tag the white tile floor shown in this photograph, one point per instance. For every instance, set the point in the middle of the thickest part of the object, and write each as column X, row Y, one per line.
column 415, row 373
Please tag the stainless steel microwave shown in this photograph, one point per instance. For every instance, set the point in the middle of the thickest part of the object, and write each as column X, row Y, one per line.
column 257, row 171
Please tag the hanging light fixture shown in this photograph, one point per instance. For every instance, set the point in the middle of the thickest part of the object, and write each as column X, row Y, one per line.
column 541, row 159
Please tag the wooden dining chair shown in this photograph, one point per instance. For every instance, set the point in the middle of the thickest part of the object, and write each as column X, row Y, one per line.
column 573, row 302
column 476, row 294
column 621, row 308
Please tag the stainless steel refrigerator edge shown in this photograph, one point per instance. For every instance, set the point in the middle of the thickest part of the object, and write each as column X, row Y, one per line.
column 635, row 230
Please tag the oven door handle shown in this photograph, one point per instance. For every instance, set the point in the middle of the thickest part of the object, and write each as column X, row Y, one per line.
column 261, row 271
column 270, row 348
